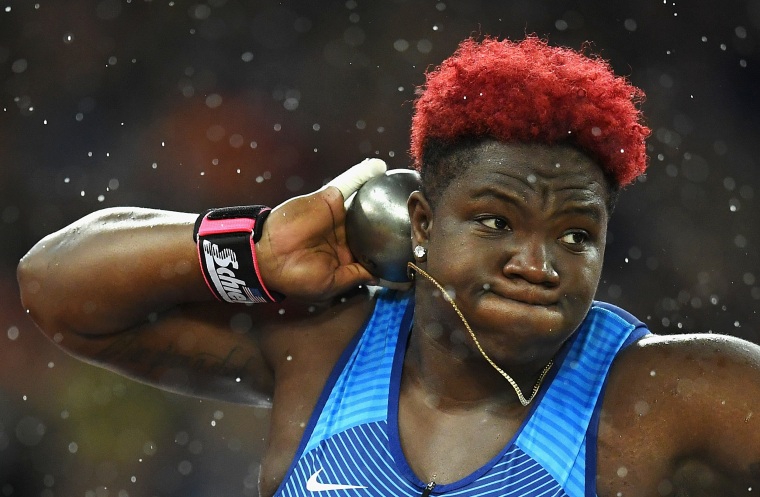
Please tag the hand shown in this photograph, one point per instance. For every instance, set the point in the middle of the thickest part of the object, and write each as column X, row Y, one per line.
column 303, row 251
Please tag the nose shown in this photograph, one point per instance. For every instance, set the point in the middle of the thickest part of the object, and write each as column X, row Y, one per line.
column 530, row 259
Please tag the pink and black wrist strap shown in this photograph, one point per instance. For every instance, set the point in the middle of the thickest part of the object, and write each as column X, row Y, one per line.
column 226, row 239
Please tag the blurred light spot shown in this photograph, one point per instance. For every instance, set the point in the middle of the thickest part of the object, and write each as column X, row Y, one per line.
column 560, row 24
column 185, row 468
column 13, row 333
column 641, row 407
column 440, row 6
column 247, row 56
column 215, row 133
column 615, row 291
column 181, row 438
column 424, row 46
column 30, row 430
column 19, row 66
column 740, row 241
column 401, row 45
column 241, row 323
column 354, row 36
column 213, row 101
column 73, row 447
column 290, row 103
column 354, row 17
column 666, row 81
column 740, row 32
column 665, row 487
column 199, row 11
column 68, row 38
column 195, row 447
column 294, row 183
column 630, row 24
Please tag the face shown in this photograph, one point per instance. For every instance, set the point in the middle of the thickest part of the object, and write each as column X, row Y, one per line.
column 518, row 240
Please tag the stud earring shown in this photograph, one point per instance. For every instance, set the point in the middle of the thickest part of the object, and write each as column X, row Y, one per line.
column 420, row 251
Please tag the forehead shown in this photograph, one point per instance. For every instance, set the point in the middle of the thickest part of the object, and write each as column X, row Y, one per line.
column 531, row 169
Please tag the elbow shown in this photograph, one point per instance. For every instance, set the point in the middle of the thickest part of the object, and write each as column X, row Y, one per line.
column 32, row 276
column 28, row 276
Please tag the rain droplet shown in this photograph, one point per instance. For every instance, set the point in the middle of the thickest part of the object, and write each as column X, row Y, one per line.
column 13, row 333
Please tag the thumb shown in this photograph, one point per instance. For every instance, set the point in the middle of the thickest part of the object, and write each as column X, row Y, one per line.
column 352, row 179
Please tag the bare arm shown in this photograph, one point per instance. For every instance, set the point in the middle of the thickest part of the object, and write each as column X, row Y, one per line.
column 681, row 417
column 121, row 288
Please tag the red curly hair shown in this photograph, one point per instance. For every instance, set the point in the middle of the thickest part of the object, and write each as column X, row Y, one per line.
column 528, row 91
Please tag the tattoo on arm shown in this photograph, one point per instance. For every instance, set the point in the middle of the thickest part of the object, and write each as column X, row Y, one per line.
column 128, row 350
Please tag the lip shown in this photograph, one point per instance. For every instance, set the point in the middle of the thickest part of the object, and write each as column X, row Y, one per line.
column 534, row 296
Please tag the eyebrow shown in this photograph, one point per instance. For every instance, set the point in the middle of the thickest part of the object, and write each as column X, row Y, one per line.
column 577, row 207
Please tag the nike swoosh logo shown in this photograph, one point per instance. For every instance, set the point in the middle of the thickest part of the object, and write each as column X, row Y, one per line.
column 312, row 485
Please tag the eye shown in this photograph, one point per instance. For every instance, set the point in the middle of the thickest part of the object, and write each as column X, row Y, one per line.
column 574, row 238
column 495, row 223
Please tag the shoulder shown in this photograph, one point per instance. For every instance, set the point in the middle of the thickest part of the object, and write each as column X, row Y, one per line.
column 681, row 388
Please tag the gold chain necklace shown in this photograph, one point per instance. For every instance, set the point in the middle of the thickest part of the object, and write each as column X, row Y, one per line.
column 512, row 382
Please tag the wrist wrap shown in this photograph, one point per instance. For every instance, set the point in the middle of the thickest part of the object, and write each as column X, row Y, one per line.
column 226, row 240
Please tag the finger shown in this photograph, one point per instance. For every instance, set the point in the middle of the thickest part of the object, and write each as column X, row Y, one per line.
column 350, row 275
column 352, row 179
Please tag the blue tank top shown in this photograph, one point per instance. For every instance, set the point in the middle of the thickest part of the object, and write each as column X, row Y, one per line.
column 351, row 445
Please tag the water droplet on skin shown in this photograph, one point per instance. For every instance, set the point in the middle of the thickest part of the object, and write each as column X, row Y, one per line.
column 641, row 407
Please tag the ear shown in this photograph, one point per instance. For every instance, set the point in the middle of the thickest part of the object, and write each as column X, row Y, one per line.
column 421, row 216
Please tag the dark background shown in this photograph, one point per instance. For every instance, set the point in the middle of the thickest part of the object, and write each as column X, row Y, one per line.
column 182, row 105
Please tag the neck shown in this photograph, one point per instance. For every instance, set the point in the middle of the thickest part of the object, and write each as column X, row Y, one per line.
column 446, row 364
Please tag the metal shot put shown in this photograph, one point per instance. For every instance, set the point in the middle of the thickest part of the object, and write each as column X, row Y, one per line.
column 378, row 229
